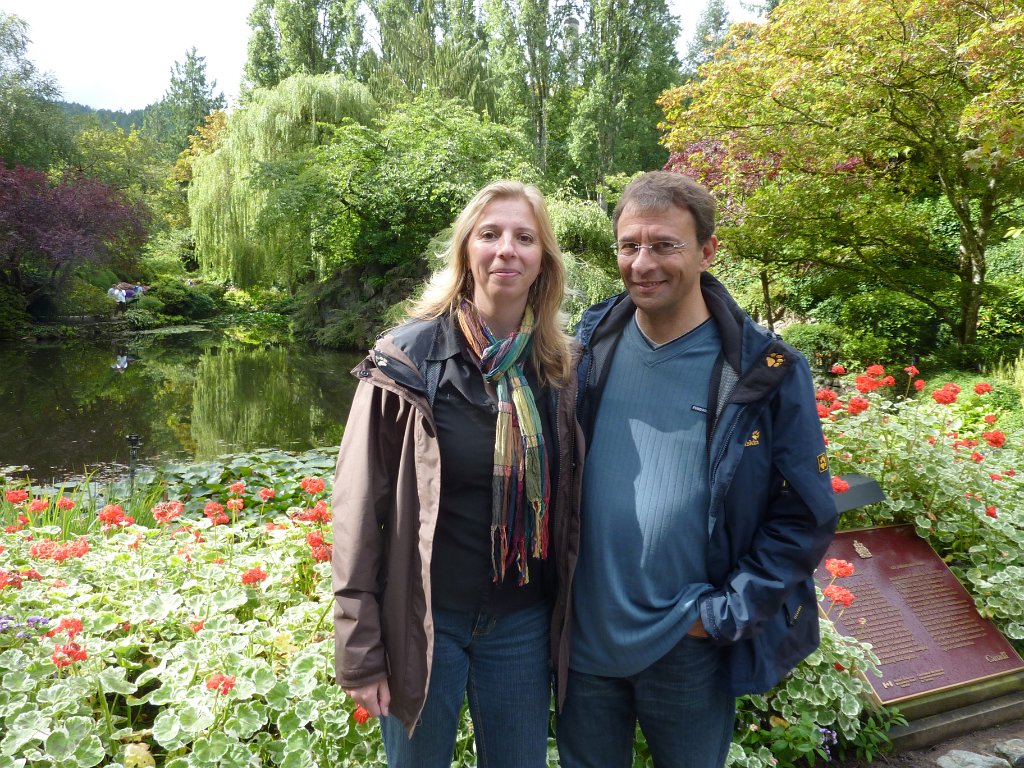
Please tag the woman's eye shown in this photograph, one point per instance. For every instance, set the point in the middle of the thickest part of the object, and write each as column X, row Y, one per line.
column 486, row 235
column 527, row 239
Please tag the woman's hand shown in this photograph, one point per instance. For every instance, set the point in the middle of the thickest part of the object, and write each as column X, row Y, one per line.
column 374, row 697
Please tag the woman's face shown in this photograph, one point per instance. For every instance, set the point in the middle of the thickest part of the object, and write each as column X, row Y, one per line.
column 505, row 255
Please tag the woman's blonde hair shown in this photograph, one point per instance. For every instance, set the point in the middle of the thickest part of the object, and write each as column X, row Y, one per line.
column 447, row 288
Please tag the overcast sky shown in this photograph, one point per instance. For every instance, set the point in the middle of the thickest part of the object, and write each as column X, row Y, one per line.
column 118, row 54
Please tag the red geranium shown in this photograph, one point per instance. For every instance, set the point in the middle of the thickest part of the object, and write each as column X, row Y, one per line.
column 166, row 511
column 38, row 505
column 113, row 516
column 16, row 496
column 311, row 485
column 361, row 715
column 220, row 683
column 867, row 384
column 944, row 396
column 266, row 494
column 875, row 370
column 857, row 405
column 839, row 568
column 65, row 655
column 839, row 595
column 839, row 485
column 995, row 438
column 254, row 576
column 235, row 505
column 65, row 503
column 825, row 394
column 982, row 387
column 991, row 512
column 919, row 384
column 911, row 370
column 237, row 488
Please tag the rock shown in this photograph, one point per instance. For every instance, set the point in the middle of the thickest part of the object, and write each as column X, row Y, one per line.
column 1012, row 750
column 961, row 759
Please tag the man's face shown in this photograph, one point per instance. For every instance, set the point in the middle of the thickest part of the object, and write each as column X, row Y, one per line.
column 666, row 286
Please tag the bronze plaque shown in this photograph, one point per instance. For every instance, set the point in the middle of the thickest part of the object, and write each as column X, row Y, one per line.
column 921, row 622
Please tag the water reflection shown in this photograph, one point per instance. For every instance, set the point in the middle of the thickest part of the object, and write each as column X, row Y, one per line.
column 68, row 407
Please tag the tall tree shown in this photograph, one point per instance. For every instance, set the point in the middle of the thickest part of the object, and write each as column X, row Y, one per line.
column 881, row 90
column 189, row 98
column 630, row 59
column 258, row 163
column 712, row 27
column 313, row 37
column 33, row 130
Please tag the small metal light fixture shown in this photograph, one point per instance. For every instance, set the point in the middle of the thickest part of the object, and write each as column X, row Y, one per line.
column 134, row 443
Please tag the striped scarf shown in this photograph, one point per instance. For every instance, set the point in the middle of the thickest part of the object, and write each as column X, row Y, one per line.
column 520, row 486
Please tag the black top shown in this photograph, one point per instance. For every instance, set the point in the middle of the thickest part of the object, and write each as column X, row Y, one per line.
column 461, row 575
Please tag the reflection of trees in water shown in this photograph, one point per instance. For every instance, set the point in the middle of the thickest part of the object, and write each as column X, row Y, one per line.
column 63, row 409
column 246, row 397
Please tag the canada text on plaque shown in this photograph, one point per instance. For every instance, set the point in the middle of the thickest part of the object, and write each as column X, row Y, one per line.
column 921, row 622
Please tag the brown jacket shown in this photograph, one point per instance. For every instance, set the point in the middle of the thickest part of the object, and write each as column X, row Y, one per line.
column 385, row 505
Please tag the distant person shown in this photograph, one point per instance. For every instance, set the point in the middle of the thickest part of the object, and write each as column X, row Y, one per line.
column 451, row 480
column 706, row 501
column 120, row 297
column 120, row 363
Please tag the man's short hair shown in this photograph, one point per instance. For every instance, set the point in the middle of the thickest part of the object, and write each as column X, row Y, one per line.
column 657, row 191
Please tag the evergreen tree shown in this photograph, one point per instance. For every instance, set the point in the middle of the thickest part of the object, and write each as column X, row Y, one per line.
column 189, row 99
column 712, row 28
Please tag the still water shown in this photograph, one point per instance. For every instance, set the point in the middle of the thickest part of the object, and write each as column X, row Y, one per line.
column 67, row 408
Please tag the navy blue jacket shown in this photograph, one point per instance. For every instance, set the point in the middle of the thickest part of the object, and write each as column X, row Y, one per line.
column 772, row 512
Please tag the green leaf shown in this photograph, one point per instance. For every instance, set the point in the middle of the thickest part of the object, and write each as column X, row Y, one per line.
column 166, row 728
column 18, row 681
column 246, row 719
column 89, row 752
column 228, row 598
column 196, row 718
column 210, row 749
column 59, row 746
column 113, row 680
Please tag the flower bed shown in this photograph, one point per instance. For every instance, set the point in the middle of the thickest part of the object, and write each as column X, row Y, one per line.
column 195, row 630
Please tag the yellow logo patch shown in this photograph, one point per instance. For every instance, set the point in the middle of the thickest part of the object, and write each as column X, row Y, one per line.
column 774, row 360
column 755, row 438
column 822, row 462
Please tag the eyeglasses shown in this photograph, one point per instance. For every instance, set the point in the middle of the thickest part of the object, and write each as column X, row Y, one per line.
column 660, row 248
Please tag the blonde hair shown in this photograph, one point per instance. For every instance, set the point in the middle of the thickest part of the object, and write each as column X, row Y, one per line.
column 551, row 350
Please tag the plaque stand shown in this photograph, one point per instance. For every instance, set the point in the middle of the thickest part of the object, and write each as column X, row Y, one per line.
column 948, row 670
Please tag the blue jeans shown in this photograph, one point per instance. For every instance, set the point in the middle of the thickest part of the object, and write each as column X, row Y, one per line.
column 501, row 663
column 685, row 712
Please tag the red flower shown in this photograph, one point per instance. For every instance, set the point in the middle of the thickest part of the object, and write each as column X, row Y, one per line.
column 919, row 384
column 839, row 568
column 266, row 494
column 276, row 527
column 867, row 384
column 990, row 418
column 235, row 505
column 838, row 595
column 982, row 387
column 65, row 655
column 838, row 370
column 995, row 438
column 65, row 503
column 16, row 496
column 838, row 667
column 10, row 579
column 995, row 477
column 1010, row 472
column 823, row 411
column 839, row 485
column 113, row 516
column 220, row 683
column 166, row 511
column 237, row 488
column 857, row 405
column 991, row 511
column 875, row 370
column 38, row 505
column 195, row 626
column 215, row 513
column 31, row 574
column 888, row 381
column 70, row 626
column 361, row 715
column 944, row 396
column 977, row 458
column 321, row 554
column 58, row 583
column 911, row 370
column 826, row 395
column 254, row 576
column 311, row 485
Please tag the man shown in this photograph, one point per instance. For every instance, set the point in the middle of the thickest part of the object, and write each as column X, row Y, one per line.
column 706, row 501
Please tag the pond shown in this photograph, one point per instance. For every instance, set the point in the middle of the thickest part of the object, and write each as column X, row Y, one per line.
column 68, row 408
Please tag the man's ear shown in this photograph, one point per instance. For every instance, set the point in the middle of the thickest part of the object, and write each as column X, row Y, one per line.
column 707, row 253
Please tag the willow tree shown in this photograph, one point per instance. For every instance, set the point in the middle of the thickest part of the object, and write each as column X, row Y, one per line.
column 251, row 219
column 867, row 102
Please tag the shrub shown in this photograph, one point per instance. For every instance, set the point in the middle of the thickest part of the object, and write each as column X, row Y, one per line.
column 183, row 300
column 584, row 229
column 150, row 303
column 141, row 319
column 14, row 320
column 165, row 255
column 83, row 298
column 821, row 343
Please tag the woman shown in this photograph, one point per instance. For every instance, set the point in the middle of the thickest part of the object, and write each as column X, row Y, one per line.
column 451, row 478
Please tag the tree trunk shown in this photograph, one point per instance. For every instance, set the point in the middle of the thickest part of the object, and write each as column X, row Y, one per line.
column 769, row 314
